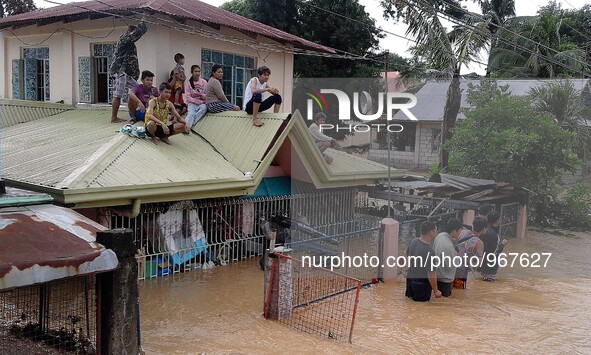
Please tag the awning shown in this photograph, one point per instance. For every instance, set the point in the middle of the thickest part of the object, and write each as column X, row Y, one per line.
column 41, row 243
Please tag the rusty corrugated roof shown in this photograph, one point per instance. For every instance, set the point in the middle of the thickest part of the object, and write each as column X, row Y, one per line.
column 182, row 9
column 45, row 242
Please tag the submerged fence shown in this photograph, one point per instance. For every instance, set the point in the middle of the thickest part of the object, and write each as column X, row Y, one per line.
column 311, row 299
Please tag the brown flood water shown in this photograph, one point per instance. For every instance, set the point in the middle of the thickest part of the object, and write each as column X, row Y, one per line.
column 219, row 311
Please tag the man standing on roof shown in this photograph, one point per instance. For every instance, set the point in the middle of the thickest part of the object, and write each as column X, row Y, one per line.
column 125, row 65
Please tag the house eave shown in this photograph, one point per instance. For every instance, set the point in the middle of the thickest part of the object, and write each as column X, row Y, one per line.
column 125, row 195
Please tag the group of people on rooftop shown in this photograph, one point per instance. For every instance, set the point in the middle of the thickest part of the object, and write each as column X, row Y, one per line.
column 179, row 95
column 456, row 241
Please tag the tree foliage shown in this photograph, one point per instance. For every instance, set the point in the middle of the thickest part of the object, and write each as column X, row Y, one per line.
column 566, row 105
column 281, row 14
column 323, row 22
column 15, row 7
column 505, row 139
column 549, row 45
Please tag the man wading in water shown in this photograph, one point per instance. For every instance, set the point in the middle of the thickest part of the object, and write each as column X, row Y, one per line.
column 421, row 278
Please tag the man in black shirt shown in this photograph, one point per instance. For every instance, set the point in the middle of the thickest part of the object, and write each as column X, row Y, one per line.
column 492, row 245
column 421, row 278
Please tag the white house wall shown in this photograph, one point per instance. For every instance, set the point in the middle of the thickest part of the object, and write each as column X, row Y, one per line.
column 60, row 51
column 156, row 50
column 6, row 68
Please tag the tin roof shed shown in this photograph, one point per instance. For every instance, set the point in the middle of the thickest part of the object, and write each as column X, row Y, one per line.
column 40, row 243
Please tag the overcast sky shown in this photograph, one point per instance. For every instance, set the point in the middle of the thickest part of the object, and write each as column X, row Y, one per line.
column 395, row 44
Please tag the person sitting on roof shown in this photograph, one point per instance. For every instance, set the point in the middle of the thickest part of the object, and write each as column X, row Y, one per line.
column 139, row 96
column 323, row 142
column 253, row 96
column 195, row 96
column 157, row 113
column 215, row 98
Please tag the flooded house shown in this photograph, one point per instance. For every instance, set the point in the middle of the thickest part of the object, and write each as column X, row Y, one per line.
column 208, row 192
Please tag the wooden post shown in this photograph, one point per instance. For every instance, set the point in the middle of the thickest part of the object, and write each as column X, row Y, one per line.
column 118, row 318
column 522, row 221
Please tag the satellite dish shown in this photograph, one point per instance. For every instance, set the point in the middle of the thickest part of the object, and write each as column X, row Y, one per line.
column 365, row 102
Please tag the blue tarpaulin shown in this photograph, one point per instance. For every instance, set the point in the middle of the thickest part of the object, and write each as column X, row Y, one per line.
column 273, row 186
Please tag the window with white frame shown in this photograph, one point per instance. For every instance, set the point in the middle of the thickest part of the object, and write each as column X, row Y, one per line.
column 238, row 70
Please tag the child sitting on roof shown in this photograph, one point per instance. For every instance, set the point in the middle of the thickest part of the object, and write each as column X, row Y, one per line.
column 323, row 141
column 253, row 96
column 157, row 113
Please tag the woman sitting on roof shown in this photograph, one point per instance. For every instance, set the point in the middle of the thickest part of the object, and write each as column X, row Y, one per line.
column 215, row 99
column 195, row 96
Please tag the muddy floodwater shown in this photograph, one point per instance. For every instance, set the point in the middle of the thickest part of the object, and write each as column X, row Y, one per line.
column 219, row 311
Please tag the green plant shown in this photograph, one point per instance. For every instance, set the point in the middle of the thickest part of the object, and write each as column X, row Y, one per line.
column 434, row 168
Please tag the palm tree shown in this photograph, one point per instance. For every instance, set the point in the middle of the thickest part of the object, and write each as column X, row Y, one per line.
column 565, row 104
column 496, row 13
column 536, row 46
column 444, row 51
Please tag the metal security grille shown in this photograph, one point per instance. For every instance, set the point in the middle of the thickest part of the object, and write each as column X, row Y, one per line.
column 409, row 216
column 311, row 299
column 187, row 235
column 59, row 314
column 351, row 242
column 509, row 215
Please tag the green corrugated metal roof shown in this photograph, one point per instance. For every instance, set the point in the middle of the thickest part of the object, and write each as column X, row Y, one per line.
column 78, row 157
column 238, row 140
column 345, row 170
column 13, row 112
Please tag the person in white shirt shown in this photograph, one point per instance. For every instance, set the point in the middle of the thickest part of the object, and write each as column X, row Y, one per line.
column 323, row 142
column 253, row 96
column 444, row 248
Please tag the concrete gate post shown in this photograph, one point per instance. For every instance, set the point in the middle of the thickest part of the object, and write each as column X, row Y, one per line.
column 468, row 217
column 391, row 232
column 278, row 285
column 118, row 297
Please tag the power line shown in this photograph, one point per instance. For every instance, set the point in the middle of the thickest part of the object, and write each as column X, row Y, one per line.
column 218, row 36
column 380, row 29
column 61, row 29
column 457, row 22
column 461, row 23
